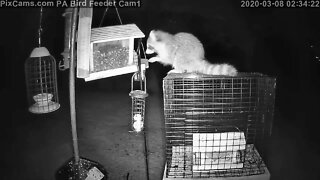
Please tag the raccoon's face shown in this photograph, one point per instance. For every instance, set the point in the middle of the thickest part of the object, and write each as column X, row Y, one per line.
column 152, row 39
column 155, row 43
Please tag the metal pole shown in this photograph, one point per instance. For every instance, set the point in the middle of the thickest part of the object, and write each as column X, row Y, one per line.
column 72, row 87
column 39, row 44
column 146, row 151
column 141, row 88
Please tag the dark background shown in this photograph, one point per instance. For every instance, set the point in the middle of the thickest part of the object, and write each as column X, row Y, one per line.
column 280, row 42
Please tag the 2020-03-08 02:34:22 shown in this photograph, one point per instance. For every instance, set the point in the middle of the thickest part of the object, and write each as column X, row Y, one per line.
column 280, row 4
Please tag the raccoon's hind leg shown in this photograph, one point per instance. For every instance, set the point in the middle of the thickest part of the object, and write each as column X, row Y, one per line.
column 177, row 71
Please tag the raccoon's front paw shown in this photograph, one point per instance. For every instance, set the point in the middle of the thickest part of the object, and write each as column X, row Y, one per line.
column 173, row 71
column 153, row 59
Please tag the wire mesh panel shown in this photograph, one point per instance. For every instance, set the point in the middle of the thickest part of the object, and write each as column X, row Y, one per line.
column 216, row 125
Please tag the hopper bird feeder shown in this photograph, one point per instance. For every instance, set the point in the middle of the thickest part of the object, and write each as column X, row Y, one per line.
column 110, row 51
column 41, row 79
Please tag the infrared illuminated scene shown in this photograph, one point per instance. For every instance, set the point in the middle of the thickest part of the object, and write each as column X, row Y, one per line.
column 160, row 90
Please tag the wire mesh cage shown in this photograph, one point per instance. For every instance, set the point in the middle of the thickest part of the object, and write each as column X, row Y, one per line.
column 41, row 82
column 216, row 126
column 138, row 104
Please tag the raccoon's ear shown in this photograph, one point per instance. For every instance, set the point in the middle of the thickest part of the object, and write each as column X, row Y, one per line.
column 154, row 35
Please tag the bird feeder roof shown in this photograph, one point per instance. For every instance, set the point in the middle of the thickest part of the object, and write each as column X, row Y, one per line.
column 39, row 52
column 110, row 33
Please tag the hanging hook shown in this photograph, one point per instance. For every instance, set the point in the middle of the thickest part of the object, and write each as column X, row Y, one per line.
column 105, row 12
column 118, row 14
column 40, row 26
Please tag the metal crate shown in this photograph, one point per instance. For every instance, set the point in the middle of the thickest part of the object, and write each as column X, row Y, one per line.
column 216, row 125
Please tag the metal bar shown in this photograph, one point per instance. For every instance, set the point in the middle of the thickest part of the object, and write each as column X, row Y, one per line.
column 139, row 63
column 40, row 73
column 72, row 87
column 40, row 26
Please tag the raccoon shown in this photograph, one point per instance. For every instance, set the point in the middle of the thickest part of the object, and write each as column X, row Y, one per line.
column 184, row 52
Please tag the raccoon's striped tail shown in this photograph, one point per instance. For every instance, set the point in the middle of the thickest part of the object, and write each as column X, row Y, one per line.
column 218, row 69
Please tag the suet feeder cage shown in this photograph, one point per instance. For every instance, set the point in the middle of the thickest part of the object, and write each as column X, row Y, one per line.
column 41, row 81
column 217, row 126
column 138, row 104
column 111, row 52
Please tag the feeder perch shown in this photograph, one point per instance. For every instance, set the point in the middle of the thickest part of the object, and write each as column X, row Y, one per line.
column 41, row 82
column 138, row 105
column 111, row 52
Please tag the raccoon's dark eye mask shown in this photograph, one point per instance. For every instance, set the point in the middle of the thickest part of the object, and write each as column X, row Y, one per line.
column 150, row 50
column 151, row 47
